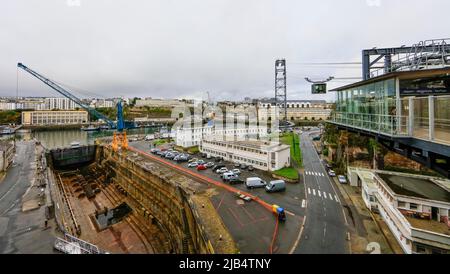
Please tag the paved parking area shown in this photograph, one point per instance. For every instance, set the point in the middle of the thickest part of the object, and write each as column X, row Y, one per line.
column 251, row 225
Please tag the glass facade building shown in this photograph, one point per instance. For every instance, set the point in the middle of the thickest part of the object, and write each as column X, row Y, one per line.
column 405, row 104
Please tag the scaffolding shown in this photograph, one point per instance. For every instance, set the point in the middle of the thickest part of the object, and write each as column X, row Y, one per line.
column 73, row 245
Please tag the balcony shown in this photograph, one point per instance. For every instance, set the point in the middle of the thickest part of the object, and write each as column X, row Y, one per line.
column 424, row 118
column 390, row 125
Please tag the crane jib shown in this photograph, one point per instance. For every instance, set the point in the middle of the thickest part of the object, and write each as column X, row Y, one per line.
column 70, row 96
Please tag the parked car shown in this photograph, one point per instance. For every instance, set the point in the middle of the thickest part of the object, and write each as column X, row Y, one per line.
column 255, row 182
column 193, row 160
column 154, row 150
column 328, row 166
column 183, row 158
column 209, row 164
column 222, row 170
column 276, row 186
column 236, row 171
column 244, row 166
column 149, row 137
column 218, row 159
column 229, row 175
column 237, row 164
column 193, row 164
column 201, row 167
column 208, row 156
column 215, row 168
column 235, row 181
column 203, row 155
column 201, row 162
column 332, row 173
column 342, row 179
column 251, row 168
column 169, row 156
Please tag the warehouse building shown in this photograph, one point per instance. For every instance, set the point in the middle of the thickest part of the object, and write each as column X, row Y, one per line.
column 49, row 118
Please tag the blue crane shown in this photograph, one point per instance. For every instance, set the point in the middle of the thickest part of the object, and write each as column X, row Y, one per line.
column 76, row 100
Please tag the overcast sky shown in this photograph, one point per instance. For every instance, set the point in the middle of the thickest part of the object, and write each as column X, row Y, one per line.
column 183, row 48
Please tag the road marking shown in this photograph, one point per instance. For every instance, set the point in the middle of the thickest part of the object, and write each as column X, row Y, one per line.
column 314, row 192
column 318, row 191
column 309, row 190
column 303, row 203
column 337, row 200
column 331, row 197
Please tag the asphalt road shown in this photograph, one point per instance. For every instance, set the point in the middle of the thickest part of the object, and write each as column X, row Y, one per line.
column 325, row 228
column 21, row 232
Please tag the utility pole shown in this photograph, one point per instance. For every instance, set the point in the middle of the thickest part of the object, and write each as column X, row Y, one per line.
column 281, row 86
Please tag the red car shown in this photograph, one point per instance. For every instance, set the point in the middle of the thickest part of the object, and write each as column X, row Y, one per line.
column 201, row 167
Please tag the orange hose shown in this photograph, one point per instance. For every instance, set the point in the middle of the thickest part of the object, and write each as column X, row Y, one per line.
column 275, row 232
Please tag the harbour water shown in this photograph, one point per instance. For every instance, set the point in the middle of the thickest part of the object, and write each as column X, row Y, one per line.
column 63, row 138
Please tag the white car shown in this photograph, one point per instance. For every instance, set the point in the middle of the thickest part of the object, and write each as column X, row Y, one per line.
column 193, row 164
column 222, row 170
column 236, row 171
column 332, row 173
column 342, row 179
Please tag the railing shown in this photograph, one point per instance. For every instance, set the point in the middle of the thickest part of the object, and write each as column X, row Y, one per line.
column 383, row 124
column 420, row 57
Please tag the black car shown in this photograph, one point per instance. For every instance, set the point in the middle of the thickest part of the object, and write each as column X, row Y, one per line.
column 203, row 155
column 235, row 181
column 218, row 167
column 218, row 159
column 154, row 150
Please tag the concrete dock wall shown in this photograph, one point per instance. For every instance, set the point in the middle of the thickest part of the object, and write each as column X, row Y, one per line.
column 70, row 157
column 162, row 199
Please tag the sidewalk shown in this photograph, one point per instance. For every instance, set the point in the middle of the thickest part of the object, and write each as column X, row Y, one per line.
column 371, row 231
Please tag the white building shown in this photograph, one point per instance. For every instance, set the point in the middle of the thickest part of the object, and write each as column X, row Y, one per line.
column 416, row 208
column 297, row 110
column 49, row 118
column 31, row 103
column 60, row 103
column 8, row 106
column 192, row 136
column 103, row 103
column 166, row 103
column 261, row 155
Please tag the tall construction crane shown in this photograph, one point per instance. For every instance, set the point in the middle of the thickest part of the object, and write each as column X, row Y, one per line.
column 119, row 138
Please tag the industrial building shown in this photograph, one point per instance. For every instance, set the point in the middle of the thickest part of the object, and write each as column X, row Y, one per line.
column 49, row 118
column 416, row 208
column 261, row 155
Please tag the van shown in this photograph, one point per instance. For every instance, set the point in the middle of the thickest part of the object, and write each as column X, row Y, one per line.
column 255, row 182
column 276, row 186
column 229, row 175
